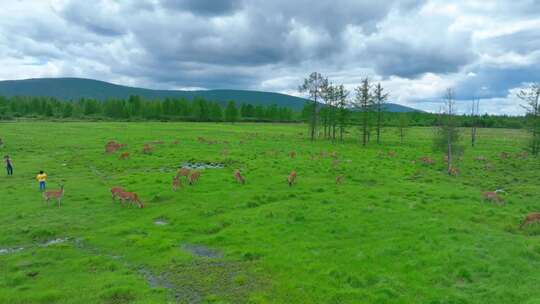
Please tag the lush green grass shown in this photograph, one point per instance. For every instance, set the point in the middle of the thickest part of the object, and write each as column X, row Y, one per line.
column 394, row 232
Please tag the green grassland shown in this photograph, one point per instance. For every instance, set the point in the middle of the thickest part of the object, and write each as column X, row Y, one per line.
column 395, row 231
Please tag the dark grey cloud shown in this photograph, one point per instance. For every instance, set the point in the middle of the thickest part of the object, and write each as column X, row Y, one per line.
column 392, row 57
column 204, row 7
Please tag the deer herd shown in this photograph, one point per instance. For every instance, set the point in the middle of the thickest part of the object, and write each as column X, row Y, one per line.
column 192, row 176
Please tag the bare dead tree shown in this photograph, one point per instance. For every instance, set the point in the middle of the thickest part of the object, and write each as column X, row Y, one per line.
column 530, row 96
column 447, row 138
column 314, row 86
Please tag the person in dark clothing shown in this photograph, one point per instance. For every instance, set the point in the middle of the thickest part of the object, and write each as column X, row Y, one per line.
column 9, row 165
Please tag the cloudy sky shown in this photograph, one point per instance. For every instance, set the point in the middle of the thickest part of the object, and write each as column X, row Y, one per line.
column 416, row 49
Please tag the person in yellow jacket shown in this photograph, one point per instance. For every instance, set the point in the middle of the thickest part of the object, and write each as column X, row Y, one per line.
column 41, row 178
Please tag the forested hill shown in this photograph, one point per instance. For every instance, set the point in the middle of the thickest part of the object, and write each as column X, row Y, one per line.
column 77, row 88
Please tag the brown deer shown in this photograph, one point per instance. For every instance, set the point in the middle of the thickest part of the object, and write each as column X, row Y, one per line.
column 183, row 172
column 131, row 197
column 292, row 178
column 504, row 155
column 176, row 183
column 239, row 178
column 522, row 155
column 426, row 160
column 339, row 179
column 453, row 171
column 392, row 153
column 292, row 154
column 493, row 196
column 124, row 155
column 147, row 149
column 533, row 217
column 201, row 139
column 176, row 142
column 194, row 177
column 54, row 194
column 115, row 192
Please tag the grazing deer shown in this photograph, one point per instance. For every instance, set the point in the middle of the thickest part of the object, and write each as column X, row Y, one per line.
column 239, row 178
column 194, row 177
column 54, row 194
column 131, row 197
column 292, row 178
column 339, row 179
column 292, row 154
column 176, row 142
column 176, row 183
column 533, row 217
column 426, row 160
column 183, row 172
column 124, row 155
column 147, row 149
column 453, row 171
column 115, row 192
column 493, row 196
column 201, row 139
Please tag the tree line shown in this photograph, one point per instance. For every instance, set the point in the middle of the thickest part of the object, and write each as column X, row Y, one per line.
column 137, row 108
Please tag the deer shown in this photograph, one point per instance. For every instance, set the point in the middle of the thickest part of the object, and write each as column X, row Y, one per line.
column 292, row 178
column 115, row 192
column 239, row 178
column 533, row 217
column 292, row 154
column 453, row 171
column 426, row 160
column 201, row 139
column 176, row 142
column 183, row 172
column 124, row 155
column 54, row 194
column 339, row 179
column 131, row 197
column 504, row 155
column 176, row 183
column 147, row 149
column 194, row 177
column 392, row 153
column 493, row 196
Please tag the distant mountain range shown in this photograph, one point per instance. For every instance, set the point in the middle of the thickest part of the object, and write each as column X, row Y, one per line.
column 76, row 88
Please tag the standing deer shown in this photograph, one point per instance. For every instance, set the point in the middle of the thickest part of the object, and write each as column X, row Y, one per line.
column 292, row 154
column 194, row 177
column 239, row 178
column 493, row 196
column 530, row 218
column 124, row 155
column 292, row 178
column 176, row 183
column 115, row 192
column 54, row 194
column 339, row 179
column 131, row 197
column 453, row 171
column 147, row 149
column 183, row 172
